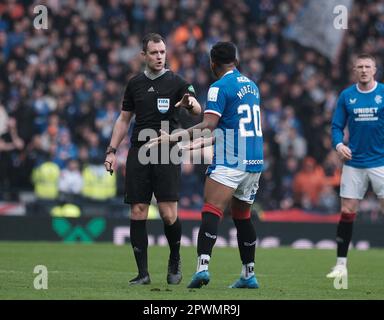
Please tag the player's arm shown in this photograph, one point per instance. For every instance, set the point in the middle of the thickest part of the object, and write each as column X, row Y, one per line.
column 120, row 131
column 339, row 122
column 199, row 143
column 203, row 129
column 212, row 114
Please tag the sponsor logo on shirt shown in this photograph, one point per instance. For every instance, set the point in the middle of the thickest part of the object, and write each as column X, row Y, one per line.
column 366, row 114
column 212, row 94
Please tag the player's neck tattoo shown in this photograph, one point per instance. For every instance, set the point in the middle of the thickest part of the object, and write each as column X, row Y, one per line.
column 153, row 75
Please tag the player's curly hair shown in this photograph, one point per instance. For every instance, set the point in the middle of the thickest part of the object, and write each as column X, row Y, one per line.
column 223, row 53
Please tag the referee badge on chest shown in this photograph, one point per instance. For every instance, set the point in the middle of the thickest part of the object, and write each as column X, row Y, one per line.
column 163, row 104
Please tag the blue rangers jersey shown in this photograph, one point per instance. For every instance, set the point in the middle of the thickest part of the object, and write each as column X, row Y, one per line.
column 363, row 111
column 238, row 137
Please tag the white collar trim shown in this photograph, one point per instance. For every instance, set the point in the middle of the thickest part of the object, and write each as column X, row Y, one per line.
column 228, row 72
column 366, row 91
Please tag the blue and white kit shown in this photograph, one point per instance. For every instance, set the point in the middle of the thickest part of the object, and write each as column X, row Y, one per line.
column 238, row 150
column 363, row 113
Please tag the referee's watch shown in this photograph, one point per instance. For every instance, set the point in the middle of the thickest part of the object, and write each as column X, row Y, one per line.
column 110, row 149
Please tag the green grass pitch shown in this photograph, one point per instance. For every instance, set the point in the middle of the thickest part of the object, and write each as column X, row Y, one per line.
column 102, row 271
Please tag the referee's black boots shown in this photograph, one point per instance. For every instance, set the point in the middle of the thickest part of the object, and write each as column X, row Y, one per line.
column 174, row 275
column 174, row 272
column 140, row 280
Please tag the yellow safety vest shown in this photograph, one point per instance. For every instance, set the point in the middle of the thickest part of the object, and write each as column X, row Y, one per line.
column 98, row 184
column 45, row 179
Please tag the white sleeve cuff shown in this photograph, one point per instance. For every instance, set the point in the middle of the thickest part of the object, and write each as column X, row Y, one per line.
column 338, row 145
column 213, row 112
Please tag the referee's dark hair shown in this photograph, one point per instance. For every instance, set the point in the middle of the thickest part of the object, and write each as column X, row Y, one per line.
column 154, row 37
column 223, row 53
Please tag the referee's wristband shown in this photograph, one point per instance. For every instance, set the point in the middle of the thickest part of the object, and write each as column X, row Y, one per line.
column 110, row 149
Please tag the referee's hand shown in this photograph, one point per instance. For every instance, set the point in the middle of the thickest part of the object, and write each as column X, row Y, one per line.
column 344, row 152
column 109, row 162
column 186, row 102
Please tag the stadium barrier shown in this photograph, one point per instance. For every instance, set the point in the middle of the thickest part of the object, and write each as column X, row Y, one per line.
column 103, row 229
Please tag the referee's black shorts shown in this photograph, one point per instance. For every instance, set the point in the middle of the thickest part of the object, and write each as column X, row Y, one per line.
column 141, row 181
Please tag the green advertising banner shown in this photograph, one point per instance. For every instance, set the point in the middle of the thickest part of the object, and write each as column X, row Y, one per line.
column 116, row 230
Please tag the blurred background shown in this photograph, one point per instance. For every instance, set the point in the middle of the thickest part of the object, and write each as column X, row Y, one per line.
column 61, row 91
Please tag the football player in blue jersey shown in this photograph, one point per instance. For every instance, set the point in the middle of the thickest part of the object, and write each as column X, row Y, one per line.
column 361, row 108
column 233, row 115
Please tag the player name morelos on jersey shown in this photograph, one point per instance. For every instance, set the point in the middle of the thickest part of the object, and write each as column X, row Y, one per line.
column 363, row 111
column 238, row 138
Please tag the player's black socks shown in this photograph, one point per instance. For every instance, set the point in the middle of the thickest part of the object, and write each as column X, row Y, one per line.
column 173, row 234
column 343, row 237
column 139, row 242
column 246, row 239
column 207, row 233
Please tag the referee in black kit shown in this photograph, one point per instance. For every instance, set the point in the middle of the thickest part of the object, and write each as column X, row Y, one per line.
column 154, row 95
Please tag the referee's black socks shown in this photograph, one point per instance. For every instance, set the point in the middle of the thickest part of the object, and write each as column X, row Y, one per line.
column 173, row 235
column 139, row 242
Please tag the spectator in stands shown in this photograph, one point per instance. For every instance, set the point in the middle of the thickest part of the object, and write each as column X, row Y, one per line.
column 191, row 188
column 71, row 180
column 328, row 200
column 105, row 120
column 308, row 183
column 10, row 163
column 289, row 170
column 75, row 69
column 290, row 142
column 66, row 149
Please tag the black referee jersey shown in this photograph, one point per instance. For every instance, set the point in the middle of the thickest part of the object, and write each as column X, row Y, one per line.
column 154, row 101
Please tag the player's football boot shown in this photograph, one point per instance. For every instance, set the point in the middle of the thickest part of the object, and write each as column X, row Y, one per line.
column 338, row 271
column 250, row 283
column 174, row 275
column 140, row 280
column 199, row 279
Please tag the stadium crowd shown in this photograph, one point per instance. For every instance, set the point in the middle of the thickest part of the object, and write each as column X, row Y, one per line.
column 61, row 88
